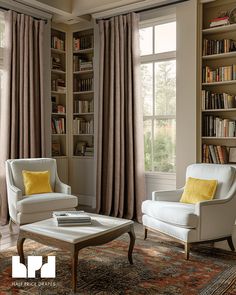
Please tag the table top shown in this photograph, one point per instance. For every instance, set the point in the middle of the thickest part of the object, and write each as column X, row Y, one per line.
column 100, row 225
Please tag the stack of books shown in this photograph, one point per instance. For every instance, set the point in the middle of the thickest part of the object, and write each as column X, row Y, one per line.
column 69, row 218
column 219, row 21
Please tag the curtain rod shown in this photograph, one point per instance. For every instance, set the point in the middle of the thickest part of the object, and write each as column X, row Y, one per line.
column 37, row 18
column 146, row 9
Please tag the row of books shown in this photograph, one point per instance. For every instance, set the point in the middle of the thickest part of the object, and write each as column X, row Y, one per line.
column 58, row 126
column 211, row 100
column 58, row 85
column 83, row 106
column 81, row 43
column 85, row 84
column 71, row 218
column 57, row 43
column 58, row 108
column 56, row 63
column 81, row 126
column 218, row 46
column 81, row 64
column 225, row 73
column 216, row 154
column 218, row 127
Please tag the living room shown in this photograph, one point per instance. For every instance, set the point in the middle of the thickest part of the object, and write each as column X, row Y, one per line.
column 117, row 160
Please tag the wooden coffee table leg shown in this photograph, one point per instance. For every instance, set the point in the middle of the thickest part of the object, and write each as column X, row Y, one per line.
column 74, row 268
column 131, row 244
column 20, row 243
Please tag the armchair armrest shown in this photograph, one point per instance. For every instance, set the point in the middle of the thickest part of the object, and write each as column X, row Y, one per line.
column 61, row 187
column 168, row 196
column 216, row 217
column 14, row 194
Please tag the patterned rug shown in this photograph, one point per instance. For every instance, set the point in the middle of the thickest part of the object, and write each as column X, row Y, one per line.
column 159, row 268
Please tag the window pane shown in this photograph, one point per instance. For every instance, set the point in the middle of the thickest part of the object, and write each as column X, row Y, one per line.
column 165, row 88
column 164, row 145
column 147, row 88
column 146, row 41
column 148, row 144
column 165, row 37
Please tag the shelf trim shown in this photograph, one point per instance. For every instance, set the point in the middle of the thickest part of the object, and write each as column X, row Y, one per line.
column 59, row 51
column 82, row 114
column 219, row 110
column 59, row 134
column 87, row 50
column 83, row 92
column 219, row 29
column 83, row 72
column 59, row 114
column 219, row 83
column 84, row 134
column 57, row 92
column 58, row 71
column 214, row 137
column 219, row 55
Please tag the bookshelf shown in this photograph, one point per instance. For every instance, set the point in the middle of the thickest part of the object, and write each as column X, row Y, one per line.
column 218, row 84
column 59, row 106
column 83, row 94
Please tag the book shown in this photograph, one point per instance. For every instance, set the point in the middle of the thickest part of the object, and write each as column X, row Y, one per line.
column 69, row 218
column 219, row 21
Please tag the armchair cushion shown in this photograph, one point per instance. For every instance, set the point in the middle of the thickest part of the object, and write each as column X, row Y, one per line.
column 175, row 213
column 46, row 202
column 197, row 190
column 36, row 182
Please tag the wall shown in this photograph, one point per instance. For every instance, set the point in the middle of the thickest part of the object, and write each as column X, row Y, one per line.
column 186, row 108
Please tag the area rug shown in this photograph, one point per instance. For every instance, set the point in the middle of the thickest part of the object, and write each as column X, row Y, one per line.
column 159, row 268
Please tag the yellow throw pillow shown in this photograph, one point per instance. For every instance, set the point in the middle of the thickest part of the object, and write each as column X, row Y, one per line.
column 197, row 190
column 36, row 182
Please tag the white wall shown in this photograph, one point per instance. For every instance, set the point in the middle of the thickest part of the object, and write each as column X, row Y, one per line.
column 186, row 108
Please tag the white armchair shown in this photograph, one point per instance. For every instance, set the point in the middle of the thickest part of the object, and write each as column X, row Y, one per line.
column 26, row 209
column 193, row 223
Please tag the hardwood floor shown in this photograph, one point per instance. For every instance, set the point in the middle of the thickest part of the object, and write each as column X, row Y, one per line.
column 8, row 239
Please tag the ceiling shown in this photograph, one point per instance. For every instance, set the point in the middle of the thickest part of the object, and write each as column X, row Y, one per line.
column 74, row 11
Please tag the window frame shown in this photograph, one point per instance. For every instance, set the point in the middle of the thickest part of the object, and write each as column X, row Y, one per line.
column 153, row 58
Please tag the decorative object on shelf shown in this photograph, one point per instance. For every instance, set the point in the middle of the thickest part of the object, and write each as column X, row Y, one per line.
column 56, row 149
column 232, row 155
column 232, row 16
column 80, row 148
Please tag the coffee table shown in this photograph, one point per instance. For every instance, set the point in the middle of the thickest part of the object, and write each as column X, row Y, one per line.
column 74, row 238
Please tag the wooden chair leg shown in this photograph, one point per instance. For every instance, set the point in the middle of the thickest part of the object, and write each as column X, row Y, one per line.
column 145, row 233
column 230, row 243
column 10, row 226
column 186, row 250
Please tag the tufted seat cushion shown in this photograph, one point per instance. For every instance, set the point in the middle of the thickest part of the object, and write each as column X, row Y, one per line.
column 46, row 202
column 175, row 213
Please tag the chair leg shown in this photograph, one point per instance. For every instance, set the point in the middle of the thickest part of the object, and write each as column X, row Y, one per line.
column 230, row 243
column 10, row 226
column 145, row 233
column 186, row 250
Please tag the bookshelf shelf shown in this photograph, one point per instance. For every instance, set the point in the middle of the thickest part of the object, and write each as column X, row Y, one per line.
column 59, row 114
column 81, row 51
column 222, row 29
column 219, row 110
column 219, row 56
column 83, row 92
column 58, row 71
column 83, row 114
column 219, row 83
column 58, row 92
column 59, row 134
column 218, row 99
column 57, row 51
column 83, row 72
column 83, row 134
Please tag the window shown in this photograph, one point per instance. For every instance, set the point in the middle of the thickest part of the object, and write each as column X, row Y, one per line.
column 158, row 70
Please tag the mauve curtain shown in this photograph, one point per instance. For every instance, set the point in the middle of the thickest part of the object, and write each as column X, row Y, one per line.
column 120, row 185
column 22, row 107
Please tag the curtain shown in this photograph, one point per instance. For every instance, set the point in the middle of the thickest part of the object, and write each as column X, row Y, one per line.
column 120, row 184
column 22, row 102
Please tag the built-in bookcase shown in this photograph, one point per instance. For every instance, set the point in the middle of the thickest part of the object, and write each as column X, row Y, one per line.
column 83, row 94
column 218, row 84
column 59, row 105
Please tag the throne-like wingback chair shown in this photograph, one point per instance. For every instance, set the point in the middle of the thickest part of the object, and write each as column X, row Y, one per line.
column 30, row 208
column 211, row 220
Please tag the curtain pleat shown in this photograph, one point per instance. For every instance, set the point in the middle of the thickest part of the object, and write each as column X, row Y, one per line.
column 22, row 102
column 120, row 181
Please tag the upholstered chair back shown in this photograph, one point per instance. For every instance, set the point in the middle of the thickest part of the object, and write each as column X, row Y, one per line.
column 224, row 174
column 38, row 164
